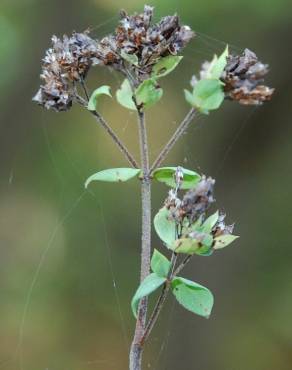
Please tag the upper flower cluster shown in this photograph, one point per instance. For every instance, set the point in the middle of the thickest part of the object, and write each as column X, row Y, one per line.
column 137, row 36
column 69, row 59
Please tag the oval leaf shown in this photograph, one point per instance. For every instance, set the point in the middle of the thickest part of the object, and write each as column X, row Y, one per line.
column 208, row 95
column 165, row 227
column 148, row 93
column 218, row 64
column 165, row 65
column 125, row 95
column 193, row 296
column 167, row 176
column 113, row 175
column 148, row 285
column 223, row 240
column 160, row 264
column 103, row 90
column 210, row 223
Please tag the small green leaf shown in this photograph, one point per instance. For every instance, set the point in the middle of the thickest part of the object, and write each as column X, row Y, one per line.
column 200, row 244
column 167, row 176
column 160, row 264
column 192, row 296
column 165, row 227
column 208, row 95
column 130, row 58
column 165, row 65
column 114, row 175
column 125, row 95
column 190, row 98
column 103, row 90
column 148, row 93
column 218, row 64
column 210, row 223
column 223, row 240
column 148, row 285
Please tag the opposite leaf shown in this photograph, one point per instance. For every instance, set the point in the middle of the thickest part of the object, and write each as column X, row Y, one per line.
column 224, row 240
column 114, row 175
column 165, row 65
column 148, row 93
column 218, row 64
column 160, row 264
column 148, row 285
column 192, row 296
column 125, row 95
column 167, row 174
column 103, row 90
column 210, row 223
column 165, row 227
column 130, row 58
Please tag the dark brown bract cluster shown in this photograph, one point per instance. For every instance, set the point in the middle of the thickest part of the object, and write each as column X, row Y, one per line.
column 136, row 36
column 243, row 77
column 67, row 61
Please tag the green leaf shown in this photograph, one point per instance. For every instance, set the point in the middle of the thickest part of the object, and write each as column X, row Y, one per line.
column 130, row 58
column 113, row 175
column 165, row 227
column 208, row 95
column 167, row 176
column 210, row 223
column 218, row 64
column 165, row 65
column 103, row 90
column 125, row 95
column 192, row 296
column 193, row 246
column 148, row 285
column 160, row 264
column 223, row 240
column 190, row 98
column 148, row 93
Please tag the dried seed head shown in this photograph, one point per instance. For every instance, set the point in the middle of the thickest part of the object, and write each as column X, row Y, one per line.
column 196, row 201
column 243, row 77
column 68, row 60
column 221, row 228
column 148, row 42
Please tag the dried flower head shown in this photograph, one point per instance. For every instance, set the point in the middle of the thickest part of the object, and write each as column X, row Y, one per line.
column 146, row 42
column 68, row 60
column 243, row 77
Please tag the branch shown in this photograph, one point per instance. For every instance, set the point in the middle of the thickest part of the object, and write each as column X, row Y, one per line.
column 110, row 131
column 175, row 137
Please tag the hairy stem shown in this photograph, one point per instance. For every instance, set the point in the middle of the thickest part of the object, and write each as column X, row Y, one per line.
column 111, row 133
column 137, row 348
column 173, row 140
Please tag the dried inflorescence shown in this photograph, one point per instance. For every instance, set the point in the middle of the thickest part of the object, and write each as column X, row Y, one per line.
column 67, row 61
column 194, row 203
column 243, row 78
column 136, row 36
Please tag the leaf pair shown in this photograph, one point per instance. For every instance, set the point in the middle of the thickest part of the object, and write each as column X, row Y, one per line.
column 208, row 93
column 148, row 92
column 192, row 296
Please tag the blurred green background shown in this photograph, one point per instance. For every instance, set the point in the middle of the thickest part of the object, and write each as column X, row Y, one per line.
column 82, row 249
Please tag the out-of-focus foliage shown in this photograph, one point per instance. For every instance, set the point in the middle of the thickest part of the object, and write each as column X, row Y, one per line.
column 86, row 243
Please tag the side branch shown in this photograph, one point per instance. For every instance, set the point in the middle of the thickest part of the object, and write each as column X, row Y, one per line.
column 175, row 137
column 111, row 133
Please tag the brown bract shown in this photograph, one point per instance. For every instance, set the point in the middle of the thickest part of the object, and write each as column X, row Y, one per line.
column 243, row 78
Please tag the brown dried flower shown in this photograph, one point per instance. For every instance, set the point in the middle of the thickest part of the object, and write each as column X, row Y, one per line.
column 243, row 77
column 136, row 37
column 68, row 60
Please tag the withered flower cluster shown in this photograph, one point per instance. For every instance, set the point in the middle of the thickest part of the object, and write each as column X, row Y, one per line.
column 66, row 62
column 137, row 36
column 243, row 77
column 192, row 209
